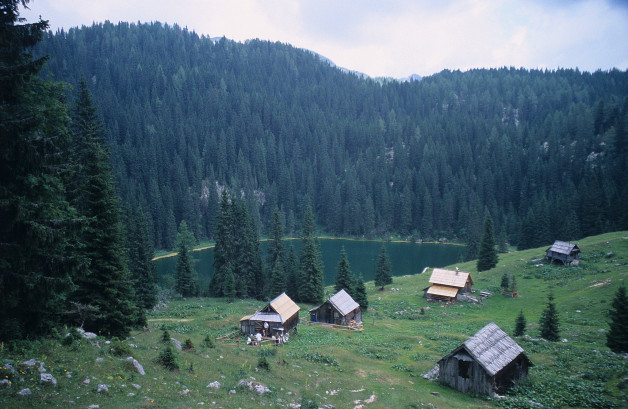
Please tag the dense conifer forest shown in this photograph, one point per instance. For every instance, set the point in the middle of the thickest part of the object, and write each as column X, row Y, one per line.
column 544, row 152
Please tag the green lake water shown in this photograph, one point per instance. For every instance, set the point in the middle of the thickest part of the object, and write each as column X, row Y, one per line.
column 406, row 258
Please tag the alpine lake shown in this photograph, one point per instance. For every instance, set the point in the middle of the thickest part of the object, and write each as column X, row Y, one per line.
column 405, row 257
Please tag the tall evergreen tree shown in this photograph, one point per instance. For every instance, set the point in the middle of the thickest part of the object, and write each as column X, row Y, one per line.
column 383, row 270
column 277, row 279
column 520, row 325
column 141, row 266
column 487, row 258
column 106, row 284
column 38, row 228
column 275, row 245
column 312, row 280
column 292, row 275
column 617, row 336
column 185, row 283
column 360, row 294
column 223, row 250
column 344, row 277
column 549, row 325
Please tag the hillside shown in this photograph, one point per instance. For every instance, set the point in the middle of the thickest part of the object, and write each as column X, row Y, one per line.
column 381, row 367
column 543, row 151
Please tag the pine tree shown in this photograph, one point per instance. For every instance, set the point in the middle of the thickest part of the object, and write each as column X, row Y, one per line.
column 185, row 284
column 549, row 321
column 106, row 283
column 275, row 245
column 312, row 280
column 383, row 270
column 229, row 285
column 344, row 277
column 141, row 265
column 512, row 288
column 505, row 283
column 520, row 325
column 487, row 258
column 360, row 294
column 37, row 226
column 617, row 336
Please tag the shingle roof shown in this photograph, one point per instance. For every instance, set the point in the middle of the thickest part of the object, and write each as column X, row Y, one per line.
column 343, row 302
column 449, row 277
column 563, row 247
column 491, row 347
column 284, row 306
column 266, row 316
column 443, row 290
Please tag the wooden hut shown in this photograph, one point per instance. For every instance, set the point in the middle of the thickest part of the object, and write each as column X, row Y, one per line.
column 281, row 314
column 447, row 284
column 563, row 252
column 340, row 309
column 490, row 361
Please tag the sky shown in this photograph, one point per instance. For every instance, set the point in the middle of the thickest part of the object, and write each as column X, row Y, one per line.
column 390, row 38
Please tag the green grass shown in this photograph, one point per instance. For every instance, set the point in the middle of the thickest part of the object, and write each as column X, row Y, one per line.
column 398, row 345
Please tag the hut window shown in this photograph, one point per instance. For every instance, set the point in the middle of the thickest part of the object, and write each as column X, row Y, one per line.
column 463, row 368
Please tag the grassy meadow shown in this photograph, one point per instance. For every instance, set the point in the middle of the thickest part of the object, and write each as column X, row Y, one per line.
column 381, row 367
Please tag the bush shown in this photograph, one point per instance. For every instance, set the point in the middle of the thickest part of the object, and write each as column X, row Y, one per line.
column 72, row 337
column 165, row 337
column 120, row 348
column 262, row 363
column 168, row 360
column 188, row 346
column 208, row 342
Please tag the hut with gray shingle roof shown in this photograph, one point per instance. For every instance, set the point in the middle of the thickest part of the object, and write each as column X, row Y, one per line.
column 490, row 361
column 340, row 309
column 563, row 252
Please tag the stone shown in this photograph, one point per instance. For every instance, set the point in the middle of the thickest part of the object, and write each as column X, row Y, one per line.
column 100, row 359
column 93, row 407
column 177, row 344
column 138, row 367
column 24, row 392
column 136, row 386
column 89, row 335
column 48, row 378
column 232, row 391
column 564, row 340
column 435, row 393
column 214, row 385
column 86, row 381
column 10, row 368
column 102, row 388
column 42, row 369
column 184, row 392
column 5, row 382
column 257, row 387
column 30, row 362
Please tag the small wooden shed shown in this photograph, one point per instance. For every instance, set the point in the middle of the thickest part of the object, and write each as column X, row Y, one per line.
column 447, row 284
column 490, row 361
column 563, row 252
column 340, row 309
column 281, row 314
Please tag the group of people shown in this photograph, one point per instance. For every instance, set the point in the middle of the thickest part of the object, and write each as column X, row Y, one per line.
column 258, row 337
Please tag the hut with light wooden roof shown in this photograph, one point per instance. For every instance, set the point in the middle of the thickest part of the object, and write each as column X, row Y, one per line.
column 447, row 284
column 281, row 314
column 340, row 309
column 488, row 362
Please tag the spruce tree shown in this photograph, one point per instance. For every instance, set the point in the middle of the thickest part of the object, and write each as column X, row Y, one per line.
column 292, row 275
column 487, row 257
column 106, row 282
column 505, row 284
column 520, row 325
column 229, row 284
column 275, row 245
column 360, row 294
column 185, row 284
column 344, row 277
column 277, row 279
column 549, row 321
column 383, row 270
column 38, row 229
column 141, row 265
column 223, row 249
column 617, row 336
column 312, row 280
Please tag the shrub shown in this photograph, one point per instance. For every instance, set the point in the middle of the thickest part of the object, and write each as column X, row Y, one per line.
column 262, row 363
column 120, row 348
column 188, row 346
column 165, row 337
column 168, row 360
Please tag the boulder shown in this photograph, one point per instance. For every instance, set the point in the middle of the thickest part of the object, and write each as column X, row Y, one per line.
column 138, row 367
column 24, row 392
column 30, row 362
column 257, row 387
column 48, row 378
column 86, row 381
column 102, row 388
column 177, row 344
column 214, row 385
